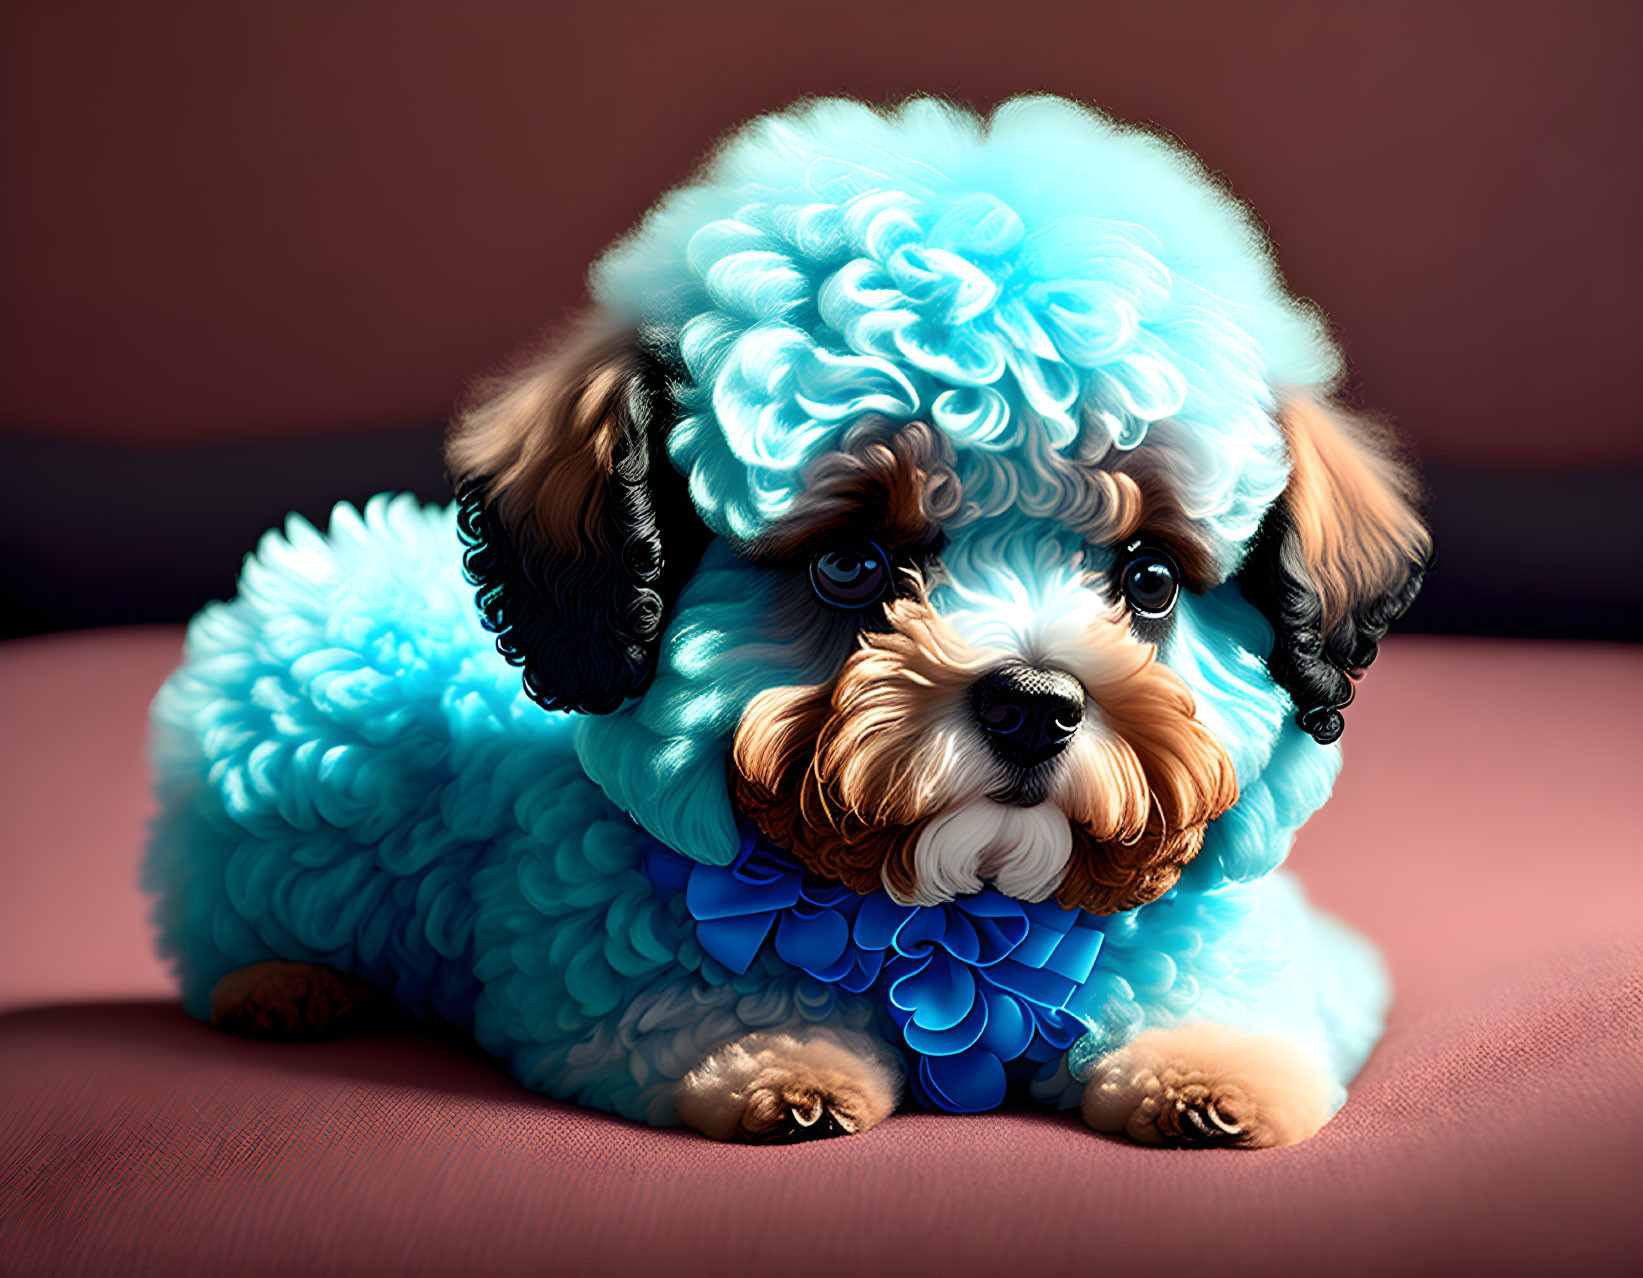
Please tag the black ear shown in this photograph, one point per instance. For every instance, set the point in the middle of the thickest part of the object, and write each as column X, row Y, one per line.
column 1339, row 558
column 579, row 532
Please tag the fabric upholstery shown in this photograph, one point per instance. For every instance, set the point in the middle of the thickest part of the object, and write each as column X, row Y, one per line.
column 1483, row 832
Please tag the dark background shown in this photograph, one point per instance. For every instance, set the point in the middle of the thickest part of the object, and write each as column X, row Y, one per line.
column 250, row 255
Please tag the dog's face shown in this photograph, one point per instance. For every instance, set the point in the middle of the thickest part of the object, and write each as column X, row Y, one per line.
column 953, row 501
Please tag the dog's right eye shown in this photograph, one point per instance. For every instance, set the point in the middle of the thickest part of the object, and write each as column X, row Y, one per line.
column 851, row 578
column 1150, row 582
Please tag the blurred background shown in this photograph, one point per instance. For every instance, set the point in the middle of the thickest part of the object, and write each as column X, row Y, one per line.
column 251, row 254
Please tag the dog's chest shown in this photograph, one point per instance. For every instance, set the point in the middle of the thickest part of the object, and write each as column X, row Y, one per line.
column 984, row 991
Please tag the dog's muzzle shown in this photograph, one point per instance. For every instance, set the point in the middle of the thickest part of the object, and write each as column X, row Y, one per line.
column 1027, row 714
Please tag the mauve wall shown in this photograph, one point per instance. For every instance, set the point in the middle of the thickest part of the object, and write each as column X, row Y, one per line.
column 236, row 234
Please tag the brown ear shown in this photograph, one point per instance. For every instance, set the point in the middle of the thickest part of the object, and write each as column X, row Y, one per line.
column 579, row 532
column 1339, row 558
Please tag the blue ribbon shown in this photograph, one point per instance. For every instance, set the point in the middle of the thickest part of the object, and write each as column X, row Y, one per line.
column 977, row 985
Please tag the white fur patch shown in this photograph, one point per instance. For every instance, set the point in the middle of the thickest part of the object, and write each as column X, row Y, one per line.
column 1024, row 851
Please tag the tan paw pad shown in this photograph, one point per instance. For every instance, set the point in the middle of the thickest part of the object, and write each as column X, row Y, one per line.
column 1206, row 1086
column 779, row 1089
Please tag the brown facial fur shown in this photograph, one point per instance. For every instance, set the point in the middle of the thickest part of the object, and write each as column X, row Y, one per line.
column 1139, row 812
column 847, row 774
column 843, row 774
column 892, row 482
column 1109, row 496
column 1153, row 511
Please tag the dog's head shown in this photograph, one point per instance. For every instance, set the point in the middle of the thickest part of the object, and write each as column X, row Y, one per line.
column 957, row 500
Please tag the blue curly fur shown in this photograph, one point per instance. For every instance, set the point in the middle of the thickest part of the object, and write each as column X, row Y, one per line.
column 1039, row 281
column 350, row 774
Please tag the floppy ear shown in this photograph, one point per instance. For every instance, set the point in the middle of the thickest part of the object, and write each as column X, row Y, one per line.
column 579, row 531
column 1339, row 558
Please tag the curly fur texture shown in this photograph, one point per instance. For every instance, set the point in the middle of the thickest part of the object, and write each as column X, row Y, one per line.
column 882, row 338
column 1334, row 565
column 851, row 775
column 565, row 543
column 350, row 775
column 834, row 261
column 1206, row 1085
column 767, row 1087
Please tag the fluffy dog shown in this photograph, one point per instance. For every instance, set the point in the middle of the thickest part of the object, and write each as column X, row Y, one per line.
column 942, row 532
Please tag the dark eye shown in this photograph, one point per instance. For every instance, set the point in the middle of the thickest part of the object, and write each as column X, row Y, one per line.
column 1150, row 581
column 851, row 578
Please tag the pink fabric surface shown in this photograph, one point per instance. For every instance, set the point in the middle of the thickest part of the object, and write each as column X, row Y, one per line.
column 73, row 802
column 1484, row 831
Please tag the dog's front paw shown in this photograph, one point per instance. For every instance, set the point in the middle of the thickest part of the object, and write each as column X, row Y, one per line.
column 778, row 1088
column 1206, row 1085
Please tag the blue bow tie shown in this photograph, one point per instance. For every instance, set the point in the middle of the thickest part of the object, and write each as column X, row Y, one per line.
column 976, row 985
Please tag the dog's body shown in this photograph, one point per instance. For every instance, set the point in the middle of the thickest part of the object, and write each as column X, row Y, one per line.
column 942, row 524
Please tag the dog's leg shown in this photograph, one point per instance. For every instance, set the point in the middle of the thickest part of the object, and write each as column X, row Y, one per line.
column 295, row 1001
column 770, row 1088
column 1206, row 1085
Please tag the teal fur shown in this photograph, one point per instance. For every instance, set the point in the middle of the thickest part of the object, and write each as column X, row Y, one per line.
column 350, row 774
column 1043, row 281
column 663, row 756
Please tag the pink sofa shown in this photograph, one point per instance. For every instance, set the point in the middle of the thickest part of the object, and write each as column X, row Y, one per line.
column 1484, row 831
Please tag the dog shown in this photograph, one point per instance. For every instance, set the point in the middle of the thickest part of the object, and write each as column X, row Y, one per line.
column 884, row 649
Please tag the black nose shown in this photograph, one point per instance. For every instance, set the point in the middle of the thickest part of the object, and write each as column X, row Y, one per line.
column 1027, row 714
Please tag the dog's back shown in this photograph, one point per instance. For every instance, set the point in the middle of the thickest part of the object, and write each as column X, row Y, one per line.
column 335, row 758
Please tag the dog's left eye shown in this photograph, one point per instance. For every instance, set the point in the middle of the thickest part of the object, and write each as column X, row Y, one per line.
column 852, row 578
column 1150, row 580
